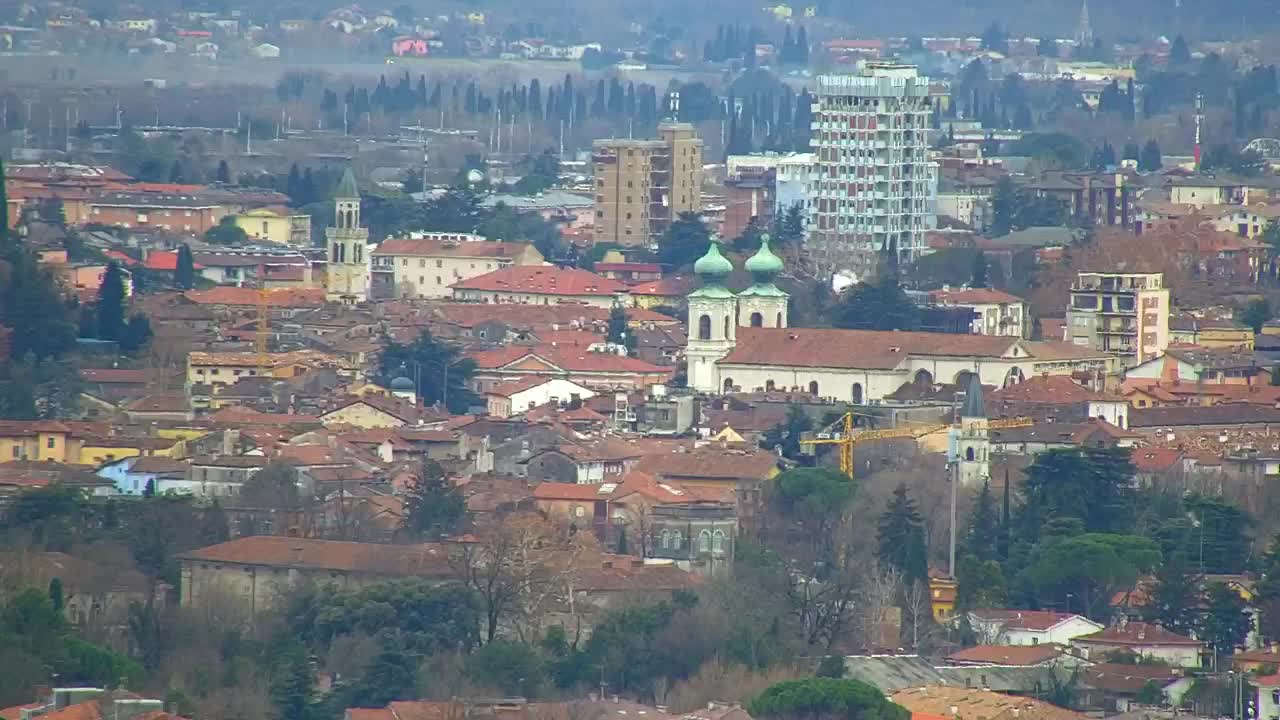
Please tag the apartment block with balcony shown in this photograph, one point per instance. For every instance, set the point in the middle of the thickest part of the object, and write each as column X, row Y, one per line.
column 874, row 186
column 1125, row 314
column 641, row 186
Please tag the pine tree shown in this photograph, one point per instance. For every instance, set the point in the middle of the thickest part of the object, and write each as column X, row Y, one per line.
column 978, row 278
column 618, row 333
column 900, row 538
column 1174, row 603
column 1179, row 53
column 292, row 681
column 1150, row 160
column 136, row 334
column 110, row 308
column 184, row 276
column 433, row 505
column 802, row 47
column 56, row 598
column 293, row 186
column 224, row 172
column 982, row 534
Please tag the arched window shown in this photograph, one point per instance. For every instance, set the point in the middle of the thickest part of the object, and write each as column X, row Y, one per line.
column 1014, row 377
column 333, row 255
column 717, row 542
column 728, row 385
column 813, row 388
column 342, row 252
column 704, row 327
column 962, row 378
column 968, row 454
column 857, row 393
column 676, row 539
column 665, row 536
column 757, row 320
column 727, row 328
column 768, row 386
column 778, row 321
column 923, row 377
column 704, row 541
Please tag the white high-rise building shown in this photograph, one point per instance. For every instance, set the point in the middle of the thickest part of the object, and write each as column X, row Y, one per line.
column 874, row 186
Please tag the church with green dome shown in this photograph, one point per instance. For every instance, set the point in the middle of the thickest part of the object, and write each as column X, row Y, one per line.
column 715, row 311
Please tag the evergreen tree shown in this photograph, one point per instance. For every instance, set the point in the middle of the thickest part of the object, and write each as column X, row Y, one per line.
column 55, row 594
column 110, row 308
column 1179, row 53
column 900, row 539
column 802, row 47
column 618, row 331
column 1175, row 600
column 136, row 334
column 978, row 278
column 224, row 172
column 293, row 186
column 184, row 276
column 149, row 490
column 292, row 683
column 433, row 505
column 1150, row 160
column 982, row 534
column 1226, row 621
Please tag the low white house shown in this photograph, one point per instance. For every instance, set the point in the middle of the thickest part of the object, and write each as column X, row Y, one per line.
column 995, row 312
column 1029, row 627
column 518, row 396
column 1144, row 640
column 1268, row 696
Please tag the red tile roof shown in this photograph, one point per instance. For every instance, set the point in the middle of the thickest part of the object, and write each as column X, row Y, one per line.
column 859, row 349
column 973, row 296
column 436, row 247
column 1050, row 390
column 115, row 375
column 1127, row 679
column 1007, row 654
column 1025, row 619
column 601, row 267
column 665, row 287
column 306, row 553
column 1137, row 633
column 1155, row 459
column 570, row 359
column 711, row 463
column 543, row 280
column 573, row 491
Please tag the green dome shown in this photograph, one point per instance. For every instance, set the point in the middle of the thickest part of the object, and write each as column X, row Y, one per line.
column 713, row 266
column 764, row 264
column 402, row 383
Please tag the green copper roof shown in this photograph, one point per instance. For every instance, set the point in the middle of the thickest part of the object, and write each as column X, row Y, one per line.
column 764, row 290
column 764, row 264
column 347, row 186
column 713, row 267
column 713, row 292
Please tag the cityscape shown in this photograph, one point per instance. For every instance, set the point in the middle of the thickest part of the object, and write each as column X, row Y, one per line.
column 688, row 361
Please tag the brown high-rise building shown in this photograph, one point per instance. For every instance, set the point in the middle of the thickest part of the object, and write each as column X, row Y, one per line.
column 642, row 185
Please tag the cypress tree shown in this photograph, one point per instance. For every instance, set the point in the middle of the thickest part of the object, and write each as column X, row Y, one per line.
column 184, row 275
column 111, row 298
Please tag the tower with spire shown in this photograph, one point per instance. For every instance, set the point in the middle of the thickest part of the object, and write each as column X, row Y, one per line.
column 712, row 320
column 763, row 304
column 972, row 441
column 1084, row 30
column 347, row 278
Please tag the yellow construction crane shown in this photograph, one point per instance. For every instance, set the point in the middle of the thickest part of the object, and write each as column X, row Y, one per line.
column 842, row 434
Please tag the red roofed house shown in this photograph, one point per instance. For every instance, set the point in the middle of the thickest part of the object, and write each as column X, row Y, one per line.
column 517, row 396
column 578, row 365
column 1057, row 398
column 997, row 312
column 540, row 285
column 1145, row 640
column 629, row 272
column 1017, row 655
column 426, row 265
column 1029, row 627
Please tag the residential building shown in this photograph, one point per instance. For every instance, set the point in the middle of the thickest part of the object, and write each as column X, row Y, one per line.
column 938, row 701
column 641, row 186
column 539, row 285
column 1029, row 627
column 1058, row 399
column 874, row 186
column 595, row 369
column 262, row 570
column 1118, row 688
column 226, row 368
column 1124, row 314
column 1047, row 655
column 995, row 312
column 793, row 179
column 427, row 265
column 182, row 213
column 748, row 198
column 1146, row 640
column 1211, row 331
column 517, row 396
column 347, row 276
column 276, row 225
column 1203, row 366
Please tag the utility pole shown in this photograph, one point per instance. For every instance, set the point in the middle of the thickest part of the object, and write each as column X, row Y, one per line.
column 953, row 472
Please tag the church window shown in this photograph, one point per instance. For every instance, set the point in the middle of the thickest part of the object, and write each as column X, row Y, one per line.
column 813, row 387
column 857, row 393
column 704, row 541
column 757, row 320
column 778, row 321
column 727, row 327
column 704, row 327
column 968, row 454
column 728, row 385
column 768, row 386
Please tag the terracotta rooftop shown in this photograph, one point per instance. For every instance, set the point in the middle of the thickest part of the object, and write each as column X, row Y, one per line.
column 566, row 358
column 248, row 297
column 163, row 403
column 1154, row 460
column 712, row 463
column 1007, row 654
column 1137, row 633
column 1036, row 620
column 305, row 553
column 1127, row 679
column 1050, row 390
column 973, row 296
column 543, row 280
column 435, row 247
column 974, row 704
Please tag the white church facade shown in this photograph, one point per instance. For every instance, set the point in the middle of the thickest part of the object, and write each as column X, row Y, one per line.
column 740, row 342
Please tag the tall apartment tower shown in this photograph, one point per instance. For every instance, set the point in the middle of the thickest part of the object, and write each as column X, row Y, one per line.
column 643, row 185
column 1125, row 314
column 347, row 277
column 874, row 186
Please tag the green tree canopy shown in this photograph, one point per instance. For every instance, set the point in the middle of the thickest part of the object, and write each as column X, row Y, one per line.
column 684, row 242
column 876, row 305
column 433, row 506
column 821, row 698
column 1091, row 567
column 443, row 374
column 900, row 539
